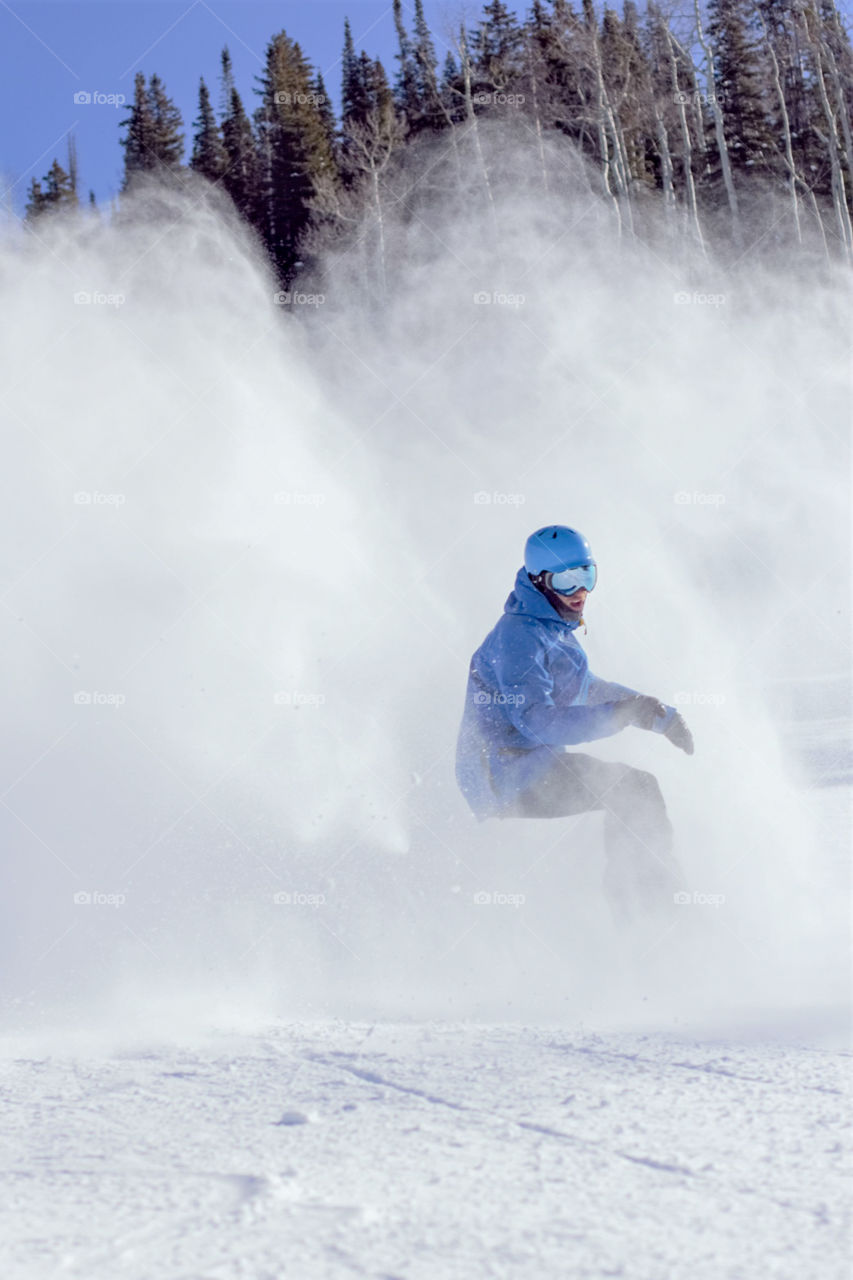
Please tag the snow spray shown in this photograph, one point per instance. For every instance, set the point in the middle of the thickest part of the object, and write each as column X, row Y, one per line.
column 251, row 539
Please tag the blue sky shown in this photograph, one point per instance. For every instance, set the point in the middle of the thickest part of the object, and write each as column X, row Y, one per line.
column 57, row 49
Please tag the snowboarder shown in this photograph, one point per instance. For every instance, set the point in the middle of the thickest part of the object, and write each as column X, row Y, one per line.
column 531, row 696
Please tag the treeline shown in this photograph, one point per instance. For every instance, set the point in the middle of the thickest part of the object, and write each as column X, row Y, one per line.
column 695, row 111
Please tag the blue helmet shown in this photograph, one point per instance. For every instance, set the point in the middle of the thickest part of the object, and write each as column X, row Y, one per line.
column 556, row 547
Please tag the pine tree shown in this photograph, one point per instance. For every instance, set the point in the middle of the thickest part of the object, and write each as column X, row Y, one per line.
column 59, row 186
column 168, row 138
column 138, row 155
column 368, row 107
column 154, row 142
column 209, row 157
column 56, row 196
column 325, row 111
column 296, row 157
column 226, row 83
column 739, row 84
column 354, row 99
column 242, row 174
column 496, row 59
column 495, row 45
column 450, row 90
column 379, row 94
column 431, row 113
column 353, row 103
column 36, row 201
column 365, row 79
column 406, row 89
column 559, row 48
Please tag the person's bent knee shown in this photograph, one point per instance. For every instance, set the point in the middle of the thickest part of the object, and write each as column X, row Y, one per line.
column 638, row 785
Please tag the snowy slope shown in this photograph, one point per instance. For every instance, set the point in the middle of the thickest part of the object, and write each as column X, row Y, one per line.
column 425, row 1152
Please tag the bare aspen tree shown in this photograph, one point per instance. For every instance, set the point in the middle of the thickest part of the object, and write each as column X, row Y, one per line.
column 533, row 78
column 694, row 119
column 794, row 177
column 666, row 171
column 786, row 126
column 371, row 144
column 471, row 119
column 843, row 109
column 604, row 125
column 830, row 139
column 680, row 98
column 833, row 27
column 719, row 126
column 658, row 116
column 439, row 103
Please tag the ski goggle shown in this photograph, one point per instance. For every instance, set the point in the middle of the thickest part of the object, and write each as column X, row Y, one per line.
column 567, row 581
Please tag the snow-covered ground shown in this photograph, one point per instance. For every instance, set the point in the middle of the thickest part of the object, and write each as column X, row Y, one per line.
column 428, row 1151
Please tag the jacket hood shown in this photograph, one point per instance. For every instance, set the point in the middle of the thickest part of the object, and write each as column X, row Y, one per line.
column 530, row 601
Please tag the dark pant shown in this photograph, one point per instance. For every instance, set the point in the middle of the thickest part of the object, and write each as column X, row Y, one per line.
column 641, row 872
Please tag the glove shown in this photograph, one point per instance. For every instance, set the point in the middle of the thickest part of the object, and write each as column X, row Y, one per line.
column 649, row 713
column 640, row 710
column 678, row 733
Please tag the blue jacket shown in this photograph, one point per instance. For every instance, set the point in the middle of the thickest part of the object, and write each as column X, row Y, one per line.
column 530, row 694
